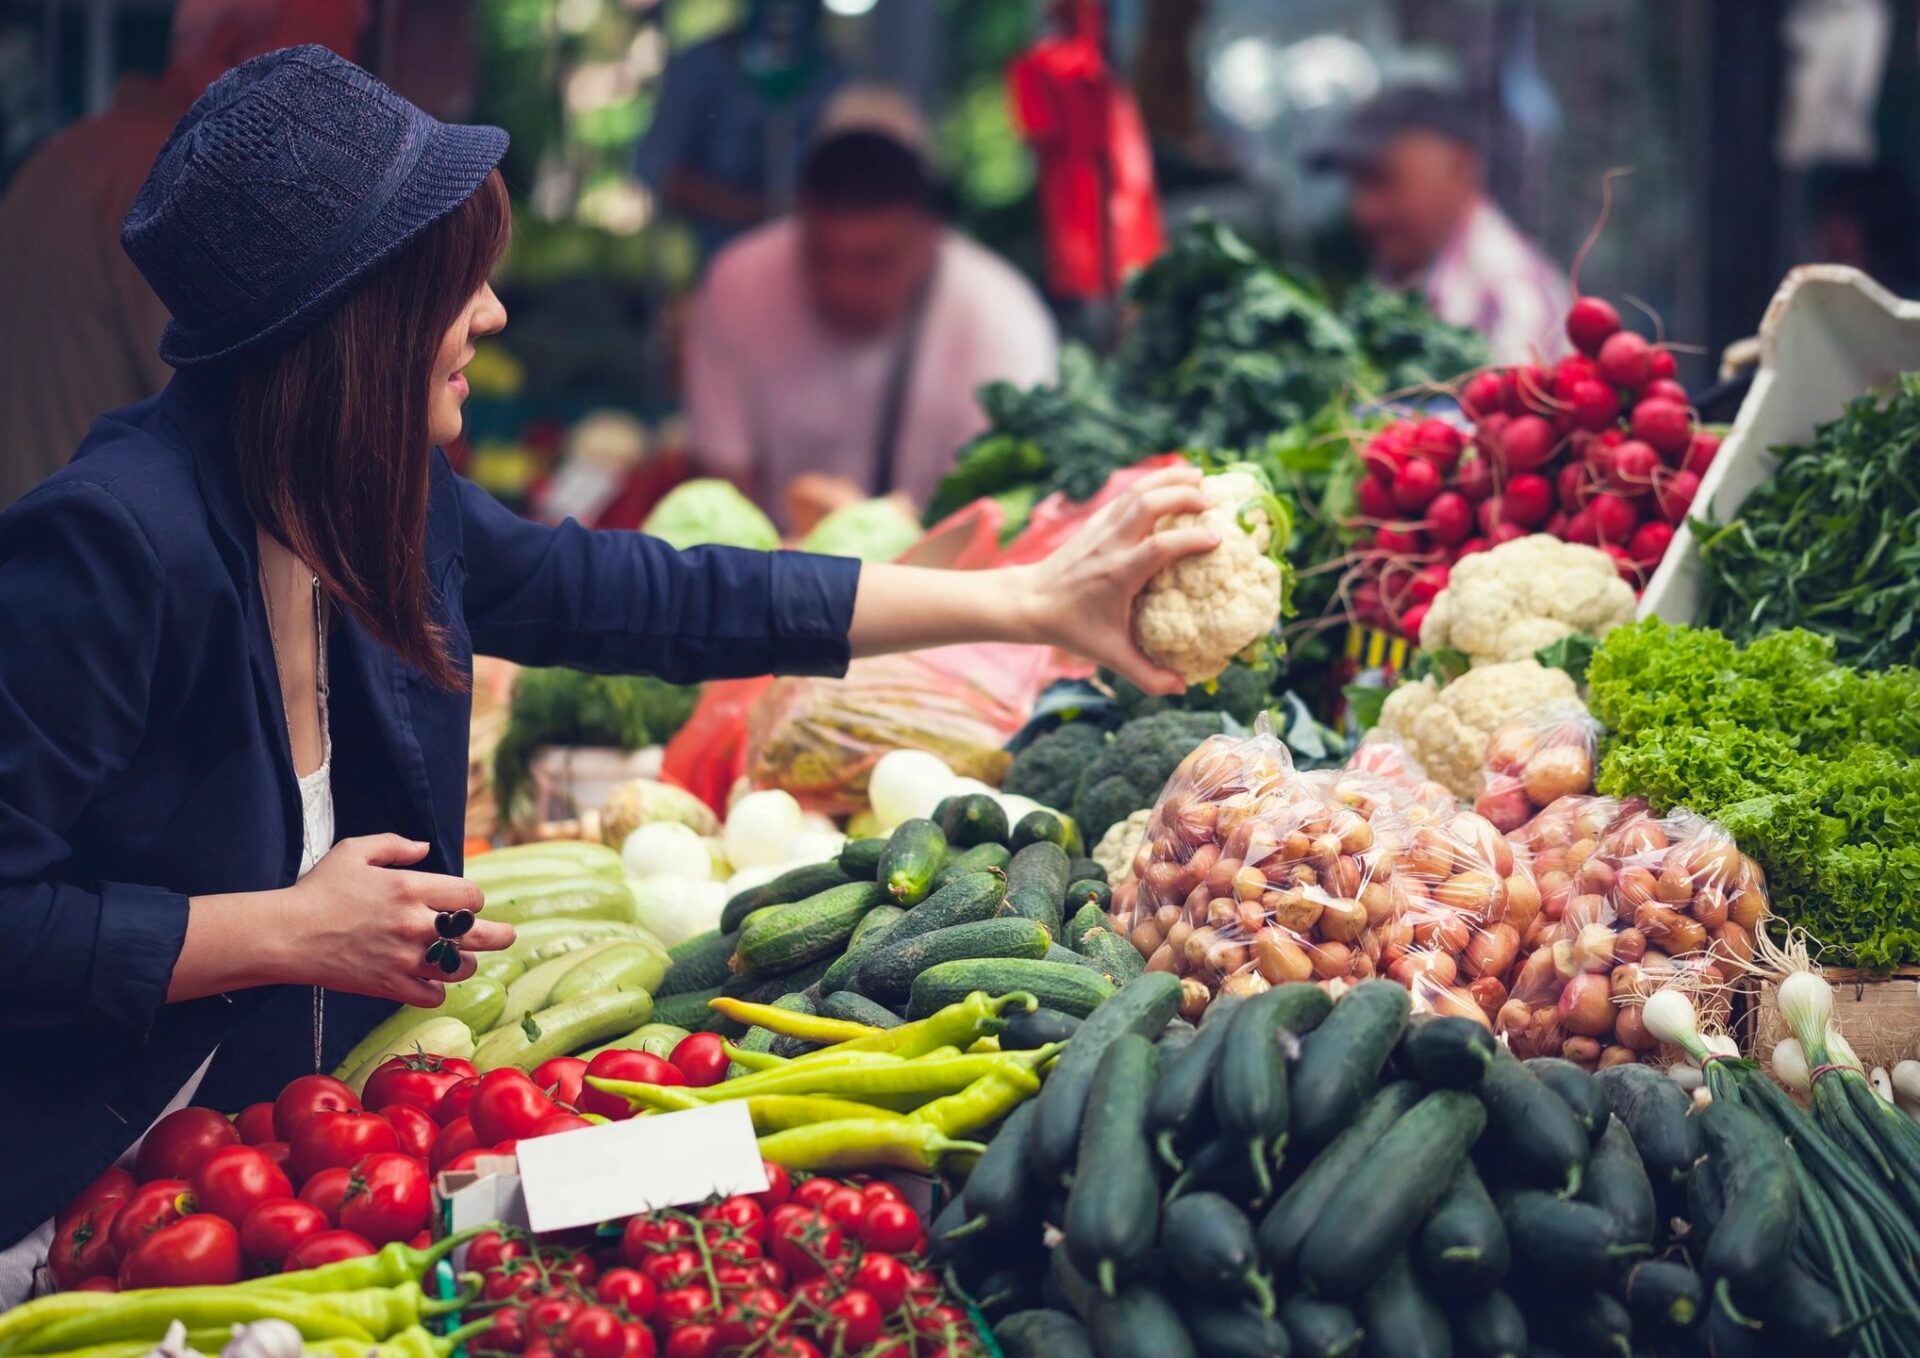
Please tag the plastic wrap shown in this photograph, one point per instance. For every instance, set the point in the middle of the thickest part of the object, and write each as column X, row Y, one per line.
column 1406, row 782
column 1534, row 760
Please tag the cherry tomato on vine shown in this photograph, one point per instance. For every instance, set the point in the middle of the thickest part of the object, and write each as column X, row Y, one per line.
column 646, row 1236
column 629, row 1289
column 673, row 1268
column 882, row 1277
column 854, row 1320
column 508, row 1334
column 693, row 1341
column 548, row 1314
column 749, row 1316
column 490, row 1249
column 880, row 1189
column 594, row 1332
column 684, row 1305
column 810, row 1192
column 779, row 1186
column 741, row 1214
column 515, row 1278
column 640, row 1341
column 890, row 1226
column 580, row 1267
column 844, row 1207
column 790, row 1346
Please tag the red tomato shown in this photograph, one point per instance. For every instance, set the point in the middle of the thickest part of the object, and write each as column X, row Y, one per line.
column 280, row 1153
column 180, row 1142
column 387, row 1198
column 416, row 1130
column 942, row 1322
column 559, row 1079
column 790, row 1346
column 632, row 1291
column 786, row 1214
column 811, row 1192
column 880, row 1188
column 325, row 1189
column 807, row 1247
column 751, row 1315
column 517, row 1278
column 594, row 1333
column 304, row 1098
column 771, row 1274
column 922, row 1286
column 622, row 1064
column 160, row 1203
column 339, row 1139
column 82, row 1245
column 843, row 1207
column 508, row 1333
column 102, row 1282
column 201, row 1250
column 549, row 1314
column 454, row 1137
column 740, row 1214
column 458, row 1100
column 779, row 1186
column 560, row 1121
column 235, row 1180
column 674, row 1268
column 735, row 1276
column 275, row 1229
column 741, row 1249
column 701, row 1058
column 113, row 1182
column 490, row 1249
column 646, row 1236
column 465, row 1160
column 328, row 1247
column 640, row 1341
column 255, row 1124
column 580, row 1267
column 853, row 1320
column 421, row 1079
column 506, row 1106
column 882, row 1277
column 815, row 1295
column 693, row 1341
column 890, row 1226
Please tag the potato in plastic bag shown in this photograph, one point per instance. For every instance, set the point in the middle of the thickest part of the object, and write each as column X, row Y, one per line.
column 1546, row 753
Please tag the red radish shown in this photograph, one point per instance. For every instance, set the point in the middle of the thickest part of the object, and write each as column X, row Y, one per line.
column 1527, row 500
column 1629, row 571
column 1592, row 404
column 1439, row 442
column 1597, row 457
column 1449, row 518
column 1475, row 480
column 1625, row 359
column 1532, row 391
column 1506, row 532
column 1633, row 467
column 1700, row 453
column 1491, row 514
column 1411, row 619
column 1674, row 495
column 1614, row 518
column 1470, row 546
column 1376, row 498
column 1526, row 444
column 1366, row 602
column 1581, row 529
column 1665, row 389
column 1427, row 583
column 1569, row 370
column 1663, row 424
column 1557, row 525
column 1661, row 363
column 1484, row 393
column 1416, row 484
column 1397, row 542
column 1384, row 454
column 1649, row 543
column 1570, row 487
column 1590, row 322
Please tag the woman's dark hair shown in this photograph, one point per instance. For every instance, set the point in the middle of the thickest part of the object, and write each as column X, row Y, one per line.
column 331, row 434
column 858, row 170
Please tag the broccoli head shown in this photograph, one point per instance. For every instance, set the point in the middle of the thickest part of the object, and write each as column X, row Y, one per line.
column 1129, row 773
column 1049, row 769
column 1243, row 691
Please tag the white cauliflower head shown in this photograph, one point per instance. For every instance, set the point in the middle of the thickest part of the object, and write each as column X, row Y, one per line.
column 1509, row 601
column 1119, row 844
column 1447, row 729
column 1199, row 613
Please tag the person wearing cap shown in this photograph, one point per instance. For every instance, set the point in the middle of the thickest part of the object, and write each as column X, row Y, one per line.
column 241, row 621
column 1417, row 197
column 848, row 339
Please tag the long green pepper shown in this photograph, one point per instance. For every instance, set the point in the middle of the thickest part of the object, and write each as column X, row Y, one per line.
column 899, row 1143
column 958, row 1025
column 981, row 1104
column 363, row 1314
column 389, row 1266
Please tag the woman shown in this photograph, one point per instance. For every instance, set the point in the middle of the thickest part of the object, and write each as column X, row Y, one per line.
column 239, row 626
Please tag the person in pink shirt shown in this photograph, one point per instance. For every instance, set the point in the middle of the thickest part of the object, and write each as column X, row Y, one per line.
column 1417, row 197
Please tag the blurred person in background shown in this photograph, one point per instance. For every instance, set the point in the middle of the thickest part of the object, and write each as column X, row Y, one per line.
column 1864, row 215
column 733, row 120
column 80, row 329
column 848, row 339
column 1417, row 196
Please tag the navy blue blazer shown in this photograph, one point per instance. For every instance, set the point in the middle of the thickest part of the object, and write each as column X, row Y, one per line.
column 144, row 755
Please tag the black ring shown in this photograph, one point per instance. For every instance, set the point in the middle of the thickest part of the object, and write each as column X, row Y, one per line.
column 453, row 923
column 442, row 954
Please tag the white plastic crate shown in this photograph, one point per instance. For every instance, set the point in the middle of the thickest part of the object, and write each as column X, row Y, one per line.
column 1830, row 334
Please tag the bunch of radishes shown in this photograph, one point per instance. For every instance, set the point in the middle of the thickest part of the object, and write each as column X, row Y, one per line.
column 1600, row 449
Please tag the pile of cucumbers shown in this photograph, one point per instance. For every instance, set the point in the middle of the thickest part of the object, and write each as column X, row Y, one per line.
column 1299, row 1176
column 897, row 928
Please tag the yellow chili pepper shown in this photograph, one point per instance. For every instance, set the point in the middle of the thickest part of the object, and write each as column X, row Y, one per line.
column 790, row 1023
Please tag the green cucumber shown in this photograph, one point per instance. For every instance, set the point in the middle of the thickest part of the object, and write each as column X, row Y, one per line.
column 562, row 1030
column 1209, row 1242
column 1755, row 1235
column 1085, row 891
column 999, row 1189
column 1086, row 870
column 980, row 858
column 767, row 989
column 1073, row 989
column 963, row 899
column 1579, row 1090
column 1114, row 957
column 878, row 920
column 1532, row 1134
column 795, row 884
column 1037, row 884
column 1285, row 1228
column 1043, row 1334
column 1807, row 1315
column 1655, row 1110
column 1706, row 1199
column 1617, row 1183
column 1068, row 957
column 1217, row 1166
column 1575, row 1243
column 875, row 928
column 913, row 855
column 1235, row 1332
column 1664, row 1293
column 1462, row 1248
column 970, row 819
column 531, row 991
column 1491, row 1327
column 689, row 1010
column 1340, row 1062
column 1445, row 1052
column 760, row 1039
column 860, row 858
column 793, row 935
column 1320, row 1329
column 1368, row 1220
column 1078, row 1291
column 852, row 1008
column 1250, row 1080
column 581, row 898
column 1140, row 1323
column 887, row 973
column 1583, row 1323
column 1182, row 1104
column 1401, row 1320
column 1173, row 1041
column 1113, row 1208
column 1031, row 1031
column 696, row 964
column 1083, row 922
column 1046, row 827
column 1142, row 1007
column 624, row 966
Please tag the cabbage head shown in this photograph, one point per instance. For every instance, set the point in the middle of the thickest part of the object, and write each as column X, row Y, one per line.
column 710, row 511
column 871, row 530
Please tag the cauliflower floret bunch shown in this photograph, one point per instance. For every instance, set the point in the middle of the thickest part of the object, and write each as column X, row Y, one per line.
column 1117, row 847
column 1199, row 613
column 1447, row 729
column 1509, row 601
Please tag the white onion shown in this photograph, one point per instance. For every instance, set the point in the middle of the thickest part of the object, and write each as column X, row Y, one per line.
column 666, row 849
column 1721, row 1045
column 1882, row 1082
column 1806, row 1003
column 906, row 784
column 1017, row 807
column 1790, row 1065
column 1669, row 1016
column 674, row 909
column 759, row 828
column 814, row 846
column 1906, row 1080
column 1841, row 1052
column 745, row 879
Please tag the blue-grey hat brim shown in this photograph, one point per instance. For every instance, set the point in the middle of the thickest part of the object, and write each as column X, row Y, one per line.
column 455, row 161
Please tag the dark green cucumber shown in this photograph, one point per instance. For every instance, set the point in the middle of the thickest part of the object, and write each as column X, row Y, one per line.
column 1400, row 1319
column 1532, row 1135
column 1368, row 1220
column 756, row 989
column 1491, row 1327
column 1285, row 1228
column 1086, row 870
column 1462, row 1247
column 688, row 1010
column 1706, row 1199
column 1073, row 989
column 1085, row 891
column 1806, row 1314
column 1235, row 1331
column 1579, row 1090
column 1078, row 1291
column 879, row 920
column 1575, row 1243
column 1113, row 1208
column 1068, row 957
column 1320, row 1329
column 860, row 858
column 1044, row 827
column 1447, row 1053
column 1083, row 922
column 1140, row 1323
column 1043, row 1334
column 1655, row 1110
column 1037, row 884
column 796, row 884
column 971, row 819
column 805, row 931
column 963, row 899
column 1031, row 1031
column 1217, row 1166
column 700, row 963
column 1755, row 1236
column 1142, row 1007
column 879, row 926
column 1729, row 1336
column 887, row 973
column 844, row 1004
column 1250, row 1079
column 1663, row 1293
column 914, row 853
column 980, row 858
column 1209, row 1242
column 1182, row 1107
column 1617, row 1183
column 1173, row 1042
column 1340, row 1062
column 1582, row 1323
column 999, row 1192
column 1114, row 957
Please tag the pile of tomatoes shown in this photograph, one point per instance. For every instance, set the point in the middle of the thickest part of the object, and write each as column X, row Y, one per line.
column 821, row 1268
column 321, row 1173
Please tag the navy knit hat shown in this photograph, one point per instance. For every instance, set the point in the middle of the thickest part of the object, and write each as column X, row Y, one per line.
column 290, row 178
